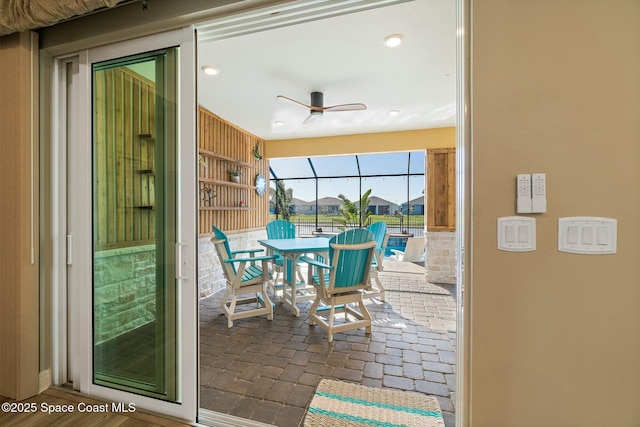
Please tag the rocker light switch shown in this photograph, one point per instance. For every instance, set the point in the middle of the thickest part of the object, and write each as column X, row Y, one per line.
column 516, row 234
column 587, row 235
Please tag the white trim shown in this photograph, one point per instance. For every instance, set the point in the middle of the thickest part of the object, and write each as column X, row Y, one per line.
column 283, row 15
column 79, row 168
column 61, row 82
column 134, row 46
column 463, row 212
column 188, row 323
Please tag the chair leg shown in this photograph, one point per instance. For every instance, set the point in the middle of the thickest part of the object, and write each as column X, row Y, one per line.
column 332, row 313
column 365, row 315
column 267, row 302
column 232, row 309
column 225, row 297
column 313, row 311
column 379, row 286
column 376, row 290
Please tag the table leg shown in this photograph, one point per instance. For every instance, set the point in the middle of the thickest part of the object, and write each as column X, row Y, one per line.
column 290, row 280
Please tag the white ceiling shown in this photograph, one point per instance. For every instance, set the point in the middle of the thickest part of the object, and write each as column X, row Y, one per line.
column 345, row 58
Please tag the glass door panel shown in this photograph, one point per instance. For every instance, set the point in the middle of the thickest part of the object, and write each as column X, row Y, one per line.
column 134, row 224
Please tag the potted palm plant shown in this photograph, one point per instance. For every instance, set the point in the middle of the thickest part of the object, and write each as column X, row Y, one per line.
column 235, row 174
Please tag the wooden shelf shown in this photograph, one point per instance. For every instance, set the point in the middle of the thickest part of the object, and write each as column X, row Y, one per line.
column 227, row 183
column 225, row 158
column 224, row 147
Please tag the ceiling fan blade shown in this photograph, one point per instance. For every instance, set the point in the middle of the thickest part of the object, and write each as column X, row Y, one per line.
column 346, row 107
column 313, row 117
column 296, row 102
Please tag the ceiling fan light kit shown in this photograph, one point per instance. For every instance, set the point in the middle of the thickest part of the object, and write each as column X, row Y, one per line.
column 317, row 108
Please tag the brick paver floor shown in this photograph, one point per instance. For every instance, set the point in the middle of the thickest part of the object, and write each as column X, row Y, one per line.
column 267, row 371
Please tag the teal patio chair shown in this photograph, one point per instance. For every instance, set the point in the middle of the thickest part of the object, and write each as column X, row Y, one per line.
column 380, row 235
column 341, row 282
column 244, row 275
column 281, row 229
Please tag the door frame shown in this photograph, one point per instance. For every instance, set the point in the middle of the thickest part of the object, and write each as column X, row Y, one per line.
column 78, row 253
column 463, row 179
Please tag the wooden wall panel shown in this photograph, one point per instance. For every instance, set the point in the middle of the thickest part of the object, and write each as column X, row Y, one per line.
column 124, row 157
column 19, row 252
column 228, row 205
column 441, row 189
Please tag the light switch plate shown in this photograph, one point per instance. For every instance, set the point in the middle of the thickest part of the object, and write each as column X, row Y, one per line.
column 517, row 234
column 587, row 235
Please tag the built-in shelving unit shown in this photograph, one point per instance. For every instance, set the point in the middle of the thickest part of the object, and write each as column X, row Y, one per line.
column 231, row 206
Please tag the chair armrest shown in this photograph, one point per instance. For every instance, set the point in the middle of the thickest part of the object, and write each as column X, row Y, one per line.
column 315, row 263
column 247, row 251
column 397, row 254
column 252, row 259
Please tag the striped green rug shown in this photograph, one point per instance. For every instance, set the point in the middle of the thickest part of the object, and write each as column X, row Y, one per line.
column 341, row 404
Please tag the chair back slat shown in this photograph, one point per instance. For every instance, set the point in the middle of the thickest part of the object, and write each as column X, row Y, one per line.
column 351, row 265
column 281, row 229
column 379, row 230
column 220, row 235
column 228, row 269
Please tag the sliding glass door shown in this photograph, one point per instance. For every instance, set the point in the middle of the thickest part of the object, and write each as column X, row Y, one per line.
column 131, row 224
column 134, row 223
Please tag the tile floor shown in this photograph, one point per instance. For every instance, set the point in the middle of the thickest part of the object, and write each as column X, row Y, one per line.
column 267, row 371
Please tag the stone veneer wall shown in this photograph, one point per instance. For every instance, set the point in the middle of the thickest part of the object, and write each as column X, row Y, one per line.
column 440, row 262
column 210, row 276
column 125, row 290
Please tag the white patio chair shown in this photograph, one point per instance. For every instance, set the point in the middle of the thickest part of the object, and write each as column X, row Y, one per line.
column 413, row 252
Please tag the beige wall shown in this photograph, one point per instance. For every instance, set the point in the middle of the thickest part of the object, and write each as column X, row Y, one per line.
column 555, row 337
column 18, row 228
column 363, row 143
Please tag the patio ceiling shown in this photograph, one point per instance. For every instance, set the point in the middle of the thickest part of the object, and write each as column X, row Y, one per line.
column 335, row 47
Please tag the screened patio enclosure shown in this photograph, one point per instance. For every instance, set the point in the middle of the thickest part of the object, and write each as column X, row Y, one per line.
column 325, row 194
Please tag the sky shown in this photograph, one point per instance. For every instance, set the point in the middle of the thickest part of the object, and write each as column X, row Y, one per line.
column 391, row 188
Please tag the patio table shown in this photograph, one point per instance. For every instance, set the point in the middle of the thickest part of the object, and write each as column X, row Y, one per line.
column 292, row 250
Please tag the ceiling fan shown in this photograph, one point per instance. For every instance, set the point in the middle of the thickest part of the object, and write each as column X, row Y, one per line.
column 316, row 108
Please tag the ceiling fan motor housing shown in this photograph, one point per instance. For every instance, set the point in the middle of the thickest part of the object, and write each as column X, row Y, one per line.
column 317, row 100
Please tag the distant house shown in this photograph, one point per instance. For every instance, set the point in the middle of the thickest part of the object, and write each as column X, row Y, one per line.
column 378, row 206
column 415, row 206
column 327, row 205
column 302, row 207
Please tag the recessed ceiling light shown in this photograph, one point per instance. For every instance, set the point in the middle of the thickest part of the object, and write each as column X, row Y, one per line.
column 279, row 123
column 210, row 70
column 394, row 112
column 393, row 40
